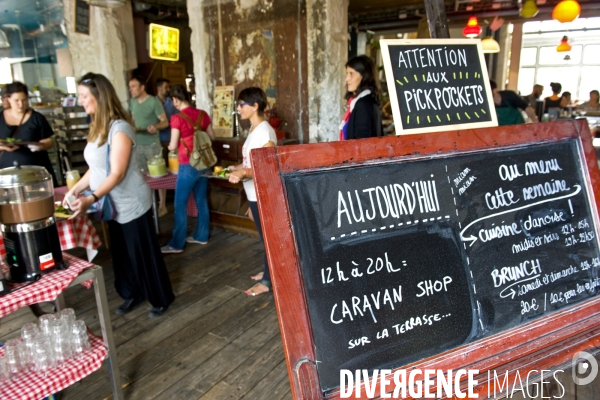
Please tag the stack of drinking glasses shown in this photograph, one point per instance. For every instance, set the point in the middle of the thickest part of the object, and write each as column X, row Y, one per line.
column 48, row 344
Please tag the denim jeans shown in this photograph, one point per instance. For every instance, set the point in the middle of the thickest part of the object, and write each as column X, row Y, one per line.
column 190, row 180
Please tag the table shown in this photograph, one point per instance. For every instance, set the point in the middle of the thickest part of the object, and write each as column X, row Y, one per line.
column 32, row 385
column 76, row 232
column 167, row 182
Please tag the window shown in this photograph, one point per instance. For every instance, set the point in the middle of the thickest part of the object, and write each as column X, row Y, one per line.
column 526, row 81
column 549, row 56
column 589, row 82
column 591, row 54
column 529, row 56
column 577, row 70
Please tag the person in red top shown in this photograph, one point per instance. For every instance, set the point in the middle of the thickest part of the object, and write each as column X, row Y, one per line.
column 189, row 179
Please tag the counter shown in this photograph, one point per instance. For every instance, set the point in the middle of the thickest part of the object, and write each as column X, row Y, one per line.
column 227, row 201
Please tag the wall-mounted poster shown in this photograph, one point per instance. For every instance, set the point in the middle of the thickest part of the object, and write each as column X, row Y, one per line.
column 164, row 42
column 223, row 111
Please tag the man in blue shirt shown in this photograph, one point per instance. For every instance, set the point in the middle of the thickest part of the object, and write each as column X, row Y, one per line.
column 163, row 94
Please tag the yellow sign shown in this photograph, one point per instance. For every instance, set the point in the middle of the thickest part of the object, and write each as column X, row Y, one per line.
column 164, row 42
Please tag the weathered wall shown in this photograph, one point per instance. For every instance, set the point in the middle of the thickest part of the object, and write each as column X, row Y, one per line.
column 107, row 49
column 200, row 48
column 258, row 43
column 327, row 39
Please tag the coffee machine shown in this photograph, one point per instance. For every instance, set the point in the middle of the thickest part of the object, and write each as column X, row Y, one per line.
column 27, row 222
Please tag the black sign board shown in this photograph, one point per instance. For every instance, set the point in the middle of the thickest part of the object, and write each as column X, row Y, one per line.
column 82, row 17
column 404, row 260
column 438, row 85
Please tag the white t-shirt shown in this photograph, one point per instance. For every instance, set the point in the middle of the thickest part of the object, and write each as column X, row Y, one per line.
column 261, row 135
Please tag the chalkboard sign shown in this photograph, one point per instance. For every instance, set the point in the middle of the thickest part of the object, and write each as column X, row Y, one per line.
column 82, row 17
column 437, row 85
column 402, row 261
column 388, row 251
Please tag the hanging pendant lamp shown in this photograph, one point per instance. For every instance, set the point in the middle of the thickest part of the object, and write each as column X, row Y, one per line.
column 490, row 45
column 564, row 45
column 472, row 29
column 529, row 9
column 566, row 11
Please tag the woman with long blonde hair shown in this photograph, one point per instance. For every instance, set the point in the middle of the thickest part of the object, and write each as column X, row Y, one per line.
column 139, row 268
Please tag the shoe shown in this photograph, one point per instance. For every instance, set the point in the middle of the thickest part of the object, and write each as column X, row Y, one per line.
column 257, row 277
column 157, row 312
column 162, row 212
column 128, row 305
column 254, row 292
column 190, row 239
column 166, row 249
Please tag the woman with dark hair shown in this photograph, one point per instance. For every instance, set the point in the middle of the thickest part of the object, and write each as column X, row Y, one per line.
column 189, row 179
column 593, row 104
column 251, row 105
column 554, row 100
column 362, row 118
column 139, row 268
column 565, row 99
column 23, row 124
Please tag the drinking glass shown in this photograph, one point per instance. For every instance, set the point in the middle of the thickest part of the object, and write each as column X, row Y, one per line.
column 72, row 177
column 43, row 354
column 61, row 340
column 68, row 315
column 29, row 331
column 79, row 338
column 4, row 376
column 45, row 321
column 78, row 327
column 61, row 350
column 80, row 342
column 12, row 357
column 26, row 353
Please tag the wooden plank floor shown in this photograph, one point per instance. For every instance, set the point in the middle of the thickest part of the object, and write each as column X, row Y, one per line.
column 214, row 342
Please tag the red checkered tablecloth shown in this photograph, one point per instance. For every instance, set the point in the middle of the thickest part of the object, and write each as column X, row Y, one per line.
column 35, row 386
column 47, row 288
column 76, row 232
column 168, row 182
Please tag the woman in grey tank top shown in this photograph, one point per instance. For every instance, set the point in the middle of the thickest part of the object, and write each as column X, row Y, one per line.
column 139, row 268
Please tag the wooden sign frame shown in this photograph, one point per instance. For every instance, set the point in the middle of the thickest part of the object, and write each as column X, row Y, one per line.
column 544, row 343
column 387, row 63
column 81, row 4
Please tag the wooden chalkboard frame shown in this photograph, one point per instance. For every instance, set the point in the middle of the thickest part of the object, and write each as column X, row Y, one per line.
column 387, row 63
column 81, row 4
column 543, row 343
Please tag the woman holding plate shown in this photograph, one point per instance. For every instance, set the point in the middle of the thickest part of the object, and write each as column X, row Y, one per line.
column 25, row 135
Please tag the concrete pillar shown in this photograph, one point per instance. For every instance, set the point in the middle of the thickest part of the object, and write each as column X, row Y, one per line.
column 201, row 51
column 515, row 56
column 108, row 49
column 327, row 38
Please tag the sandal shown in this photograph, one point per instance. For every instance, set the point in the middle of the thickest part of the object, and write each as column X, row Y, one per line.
column 253, row 292
column 257, row 277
